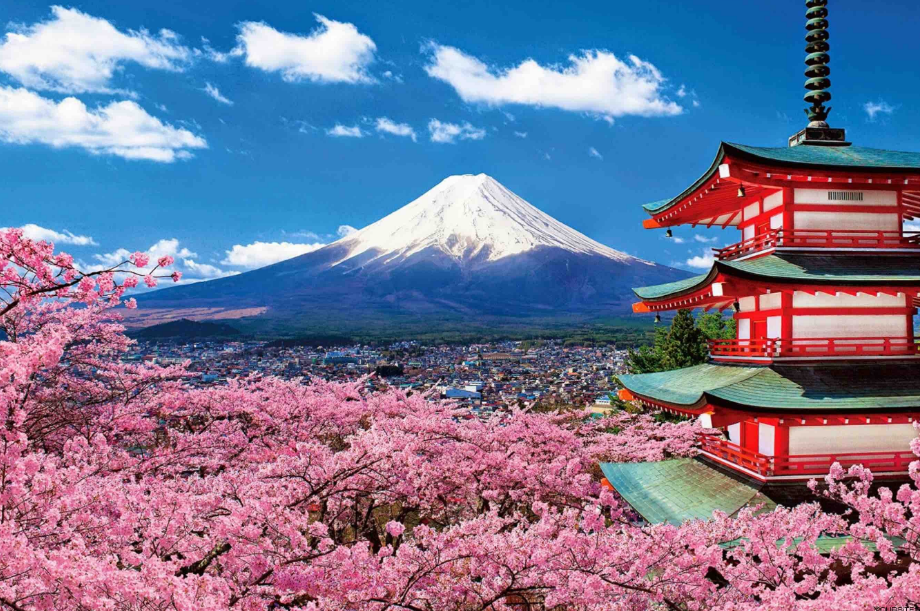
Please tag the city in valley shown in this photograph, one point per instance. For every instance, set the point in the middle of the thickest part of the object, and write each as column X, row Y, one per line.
column 488, row 379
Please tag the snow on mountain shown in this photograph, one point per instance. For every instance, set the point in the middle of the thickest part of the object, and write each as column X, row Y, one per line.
column 467, row 252
column 470, row 216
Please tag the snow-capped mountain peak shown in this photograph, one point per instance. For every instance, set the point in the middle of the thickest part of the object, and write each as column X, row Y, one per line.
column 467, row 216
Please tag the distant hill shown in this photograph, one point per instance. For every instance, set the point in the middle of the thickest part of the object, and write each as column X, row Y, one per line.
column 467, row 255
column 186, row 329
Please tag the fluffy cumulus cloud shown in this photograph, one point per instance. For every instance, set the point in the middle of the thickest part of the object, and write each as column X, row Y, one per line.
column 36, row 232
column 704, row 261
column 204, row 271
column 215, row 93
column 344, row 131
column 161, row 248
column 335, row 52
column 185, row 261
column 345, row 230
column 874, row 109
column 121, row 128
column 73, row 52
column 595, row 82
column 388, row 126
column 448, row 133
column 260, row 254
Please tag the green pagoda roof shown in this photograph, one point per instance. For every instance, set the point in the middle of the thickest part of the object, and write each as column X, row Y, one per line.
column 845, row 268
column 675, row 491
column 681, row 489
column 805, row 156
column 818, row 387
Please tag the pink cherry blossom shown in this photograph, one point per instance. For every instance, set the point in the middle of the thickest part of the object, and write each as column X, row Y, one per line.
column 165, row 261
column 150, row 280
column 125, row 487
column 395, row 528
column 176, row 276
column 140, row 259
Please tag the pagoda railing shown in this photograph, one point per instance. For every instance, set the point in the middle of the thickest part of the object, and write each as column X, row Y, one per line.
column 729, row 349
column 801, row 464
column 814, row 238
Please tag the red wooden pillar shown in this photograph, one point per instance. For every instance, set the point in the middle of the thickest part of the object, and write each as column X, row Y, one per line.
column 781, row 440
column 788, row 208
column 750, row 436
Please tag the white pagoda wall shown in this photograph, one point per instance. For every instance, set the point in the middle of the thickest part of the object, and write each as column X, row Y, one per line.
column 837, row 220
column 766, row 439
column 771, row 202
column 849, row 325
column 850, row 438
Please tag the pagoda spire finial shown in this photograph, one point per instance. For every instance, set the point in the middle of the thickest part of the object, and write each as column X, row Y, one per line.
column 816, row 46
column 817, row 59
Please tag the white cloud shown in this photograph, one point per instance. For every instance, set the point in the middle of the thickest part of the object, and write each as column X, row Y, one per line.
column 345, row 230
column 908, row 226
column 447, row 133
column 161, row 248
column 704, row 239
column 192, row 270
column 520, row 134
column 211, row 53
column 260, row 254
column 873, row 109
column 335, row 52
column 342, row 131
column 35, row 232
column 595, row 82
column 704, row 261
column 675, row 239
column 303, row 233
column 396, row 78
column 123, row 128
column 593, row 153
column 73, row 52
column 388, row 126
column 215, row 93
column 682, row 92
column 204, row 271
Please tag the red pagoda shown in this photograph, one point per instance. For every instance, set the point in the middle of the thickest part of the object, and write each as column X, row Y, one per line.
column 823, row 285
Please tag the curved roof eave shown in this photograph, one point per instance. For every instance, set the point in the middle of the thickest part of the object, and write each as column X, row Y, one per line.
column 662, row 205
column 659, row 292
column 803, row 156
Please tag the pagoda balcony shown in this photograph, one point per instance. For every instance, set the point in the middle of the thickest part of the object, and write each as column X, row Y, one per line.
column 754, row 350
column 790, row 466
column 820, row 239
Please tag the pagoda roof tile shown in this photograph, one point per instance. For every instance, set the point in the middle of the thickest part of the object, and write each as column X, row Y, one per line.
column 681, row 489
column 844, row 268
column 806, row 156
column 820, row 387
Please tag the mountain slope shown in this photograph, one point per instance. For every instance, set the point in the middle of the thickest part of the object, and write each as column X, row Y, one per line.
column 467, row 250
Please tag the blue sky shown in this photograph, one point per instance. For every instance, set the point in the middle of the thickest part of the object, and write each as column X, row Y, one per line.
column 236, row 133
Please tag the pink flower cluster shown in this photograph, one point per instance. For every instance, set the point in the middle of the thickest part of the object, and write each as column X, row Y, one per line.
column 122, row 488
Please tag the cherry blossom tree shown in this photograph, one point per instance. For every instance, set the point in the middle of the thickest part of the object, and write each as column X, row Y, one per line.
column 123, row 488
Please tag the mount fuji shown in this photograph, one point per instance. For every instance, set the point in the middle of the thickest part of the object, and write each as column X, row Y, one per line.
column 468, row 251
